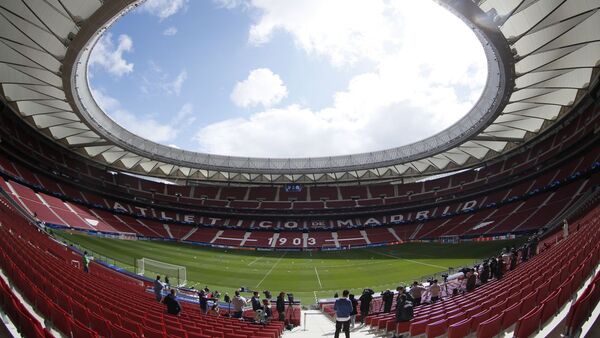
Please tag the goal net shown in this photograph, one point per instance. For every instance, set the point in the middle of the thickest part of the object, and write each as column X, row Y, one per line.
column 449, row 239
column 128, row 236
column 150, row 268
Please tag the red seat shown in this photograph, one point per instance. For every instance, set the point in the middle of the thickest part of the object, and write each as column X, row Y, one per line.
column 460, row 329
column 61, row 320
column 196, row 335
column 119, row 332
column 80, row 313
column 131, row 325
column 436, row 329
column 213, row 333
column 43, row 305
column 528, row 302
column 151, row 333
column 456, row 318
column 529, row 323
column 550, row 306
column 542, row 292
column 580, row 311
column 175, row 332
column 111, row 316
column 233, row 335
column 402, row 327
column 154, row 324
column 100, row 325
column 417, row 328
column 479, row 318
column 81, row 331
column 490, row 327
column 511, row 315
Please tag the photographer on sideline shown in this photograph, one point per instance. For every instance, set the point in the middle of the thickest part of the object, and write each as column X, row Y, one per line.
column 388, row 299
column 365, row 304
column 280, row 305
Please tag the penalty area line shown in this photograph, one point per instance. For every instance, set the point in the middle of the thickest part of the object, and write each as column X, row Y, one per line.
column 256, row 260
column 273, row 267
column 318, row 279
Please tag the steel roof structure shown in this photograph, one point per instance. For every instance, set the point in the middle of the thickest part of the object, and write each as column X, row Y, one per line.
column 541, row 57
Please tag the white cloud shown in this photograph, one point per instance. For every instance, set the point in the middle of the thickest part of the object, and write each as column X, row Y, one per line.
column 174, row 86
column 345, row 31
column 147, row 127
column 110, row 57
column 170, row 31
column 156, row 80
column 262, row 87
column 424, row 79
column 164, row 8
column 230, row 4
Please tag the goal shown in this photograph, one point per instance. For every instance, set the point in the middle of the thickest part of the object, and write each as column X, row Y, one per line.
column 128, row 236
column 449, row 239
column 150, row 268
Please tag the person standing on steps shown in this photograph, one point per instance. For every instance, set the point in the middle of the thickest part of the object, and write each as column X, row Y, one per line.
column 158, row 287
column 343, row 311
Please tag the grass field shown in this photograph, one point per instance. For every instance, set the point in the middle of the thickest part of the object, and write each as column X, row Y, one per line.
column 308, row 275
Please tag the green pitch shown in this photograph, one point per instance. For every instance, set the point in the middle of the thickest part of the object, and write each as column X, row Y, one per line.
column 308, row 275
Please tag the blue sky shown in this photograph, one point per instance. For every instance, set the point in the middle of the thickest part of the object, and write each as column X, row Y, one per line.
column 287, row 78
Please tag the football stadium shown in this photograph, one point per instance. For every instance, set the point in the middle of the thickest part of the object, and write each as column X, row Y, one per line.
column 248, row 168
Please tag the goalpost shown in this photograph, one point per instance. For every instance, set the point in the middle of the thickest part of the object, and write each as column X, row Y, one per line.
column 149, row 267
column 450, row 239
column 130, row 236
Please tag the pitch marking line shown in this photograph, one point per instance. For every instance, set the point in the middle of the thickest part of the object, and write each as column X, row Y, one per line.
column 409, row 260
column 273, row 267
column 318, row 279
column 256, row 260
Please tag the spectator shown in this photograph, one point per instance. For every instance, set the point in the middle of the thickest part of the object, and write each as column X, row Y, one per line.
column 203, row 301
column 255, row 301
column 471, row 280
column 485, row 272
column 354, row 312
column 280, row 305
column 402, row 291
column 86, row 262
column 158, row 287
column 266, row 306
column 167, row 284
column 513, row 259
column 214, row 310
column 435, row 291
column 388, row 298
column 238, row 303
column 227, row 300
column 217, row 295
column 404, row 309
column 172, row 304
column 499, row 267
column 365, row 304
column 268, row 294
column 416, row 292
column 494, row 267
column 343, row 310
column 335, row 295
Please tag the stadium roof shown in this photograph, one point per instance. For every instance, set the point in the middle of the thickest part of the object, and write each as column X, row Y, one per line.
column 541, row 55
